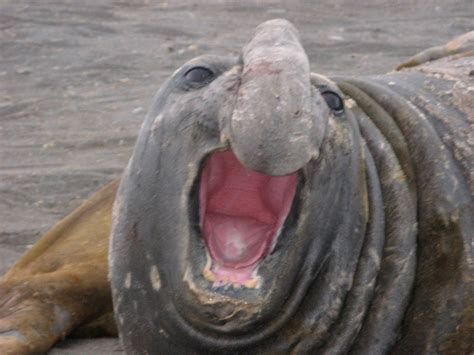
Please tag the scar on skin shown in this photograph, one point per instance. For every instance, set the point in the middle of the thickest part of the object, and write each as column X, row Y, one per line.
column 350, row 103
column 155, row 278
column 62, row 318
column 128, row 280
column 157, row 122
column 13, row 334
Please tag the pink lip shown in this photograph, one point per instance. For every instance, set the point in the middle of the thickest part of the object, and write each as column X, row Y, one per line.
column 242, row 213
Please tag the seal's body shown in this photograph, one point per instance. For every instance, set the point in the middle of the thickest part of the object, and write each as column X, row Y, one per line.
column 269, row 209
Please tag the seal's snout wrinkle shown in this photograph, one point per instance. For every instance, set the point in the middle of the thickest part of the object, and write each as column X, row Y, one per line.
column 276, row 126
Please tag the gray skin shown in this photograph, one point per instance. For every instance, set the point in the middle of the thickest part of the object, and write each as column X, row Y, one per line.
column 374, row 256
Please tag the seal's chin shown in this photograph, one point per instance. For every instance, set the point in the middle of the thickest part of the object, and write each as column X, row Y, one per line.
column 242, row 213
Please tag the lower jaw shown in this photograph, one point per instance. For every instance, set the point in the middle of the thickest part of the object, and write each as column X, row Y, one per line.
column 222, row 276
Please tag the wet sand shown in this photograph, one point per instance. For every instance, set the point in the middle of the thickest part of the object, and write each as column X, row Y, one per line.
column 77, row 77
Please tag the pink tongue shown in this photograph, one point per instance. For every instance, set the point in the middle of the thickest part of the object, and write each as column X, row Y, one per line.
column 242, row 210
column 237, row 241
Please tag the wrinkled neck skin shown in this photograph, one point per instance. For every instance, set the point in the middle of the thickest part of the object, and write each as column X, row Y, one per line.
column 413, row 123
column 339, row 272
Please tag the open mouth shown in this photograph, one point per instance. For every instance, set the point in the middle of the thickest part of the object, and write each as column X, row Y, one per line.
column 241, row 214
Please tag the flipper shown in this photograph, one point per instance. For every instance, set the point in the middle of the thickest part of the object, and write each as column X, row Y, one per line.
column 459, row 46
column 61, row 283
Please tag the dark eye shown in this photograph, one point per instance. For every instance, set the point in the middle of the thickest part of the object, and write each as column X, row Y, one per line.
column 199, row 75
column 334, row 101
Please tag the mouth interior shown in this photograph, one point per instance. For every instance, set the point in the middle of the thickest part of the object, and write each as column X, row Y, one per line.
column 242, row 212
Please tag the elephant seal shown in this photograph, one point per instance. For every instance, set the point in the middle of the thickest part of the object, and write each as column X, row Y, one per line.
column 267, row 209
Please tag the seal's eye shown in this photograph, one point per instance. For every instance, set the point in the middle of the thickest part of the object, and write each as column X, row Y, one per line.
column 334, row 101
column 199, row 75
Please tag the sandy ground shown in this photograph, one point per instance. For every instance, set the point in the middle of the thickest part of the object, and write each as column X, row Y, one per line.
column 76, row 78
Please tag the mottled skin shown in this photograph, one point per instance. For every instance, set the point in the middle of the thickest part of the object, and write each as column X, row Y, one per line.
column 386, row 265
